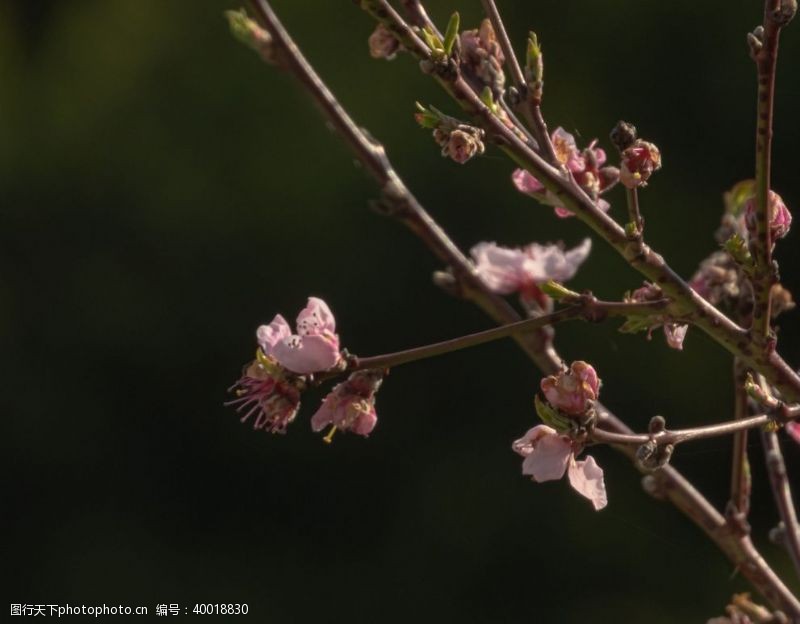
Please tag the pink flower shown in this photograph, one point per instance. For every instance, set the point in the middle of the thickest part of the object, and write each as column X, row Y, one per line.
column 639, row 161
column 780, row 219
column 265, row 392
column 315, row 346
column 586, row 167
column 572, row 391
column 548, row 455
column 350, row 406
column 506, row 270
column 793, row 429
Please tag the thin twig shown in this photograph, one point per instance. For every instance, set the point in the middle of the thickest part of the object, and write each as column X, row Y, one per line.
column 670, row 482
column 766, row 59
column 740, row 466
column 681, row 435
column 782, row 494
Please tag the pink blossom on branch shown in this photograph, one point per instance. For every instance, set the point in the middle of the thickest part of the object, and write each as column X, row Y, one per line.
column 639, row 161
column 574, row 390
column 350, row 406
column 508, row 270
column 267, row 395
column 548, row 455
column 586, row 166
column 315, row 346
column 780, row 219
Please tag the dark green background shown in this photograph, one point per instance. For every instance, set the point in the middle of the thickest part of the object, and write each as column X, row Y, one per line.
column 162, row 193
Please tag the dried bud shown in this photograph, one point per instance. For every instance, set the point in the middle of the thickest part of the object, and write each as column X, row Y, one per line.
column 572, row 391
column 383, row 44
column 781, row 300
column 623, row 135
column 780, row 219
column 718, row 279
column 639, row 161
column 482, row 56
column 462, row 144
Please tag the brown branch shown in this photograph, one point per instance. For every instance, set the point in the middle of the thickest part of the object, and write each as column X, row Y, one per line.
column 782, row 494
column 640, row 256
column 537, row 344
column 740, row 466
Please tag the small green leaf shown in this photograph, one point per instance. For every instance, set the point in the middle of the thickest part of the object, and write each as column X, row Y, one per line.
column 550, row 416
column 737, row 248
column 636, row 324
column 736, row 198
column 557, row 291
column 427, row 118
column 432, row 39
column 488, row 99
column 451, row 33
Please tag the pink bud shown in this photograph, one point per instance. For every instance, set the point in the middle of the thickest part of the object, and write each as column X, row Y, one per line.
column 350, row 406
column 639, row 161
column 572, row 391
column 780, row 219
column 383, row 44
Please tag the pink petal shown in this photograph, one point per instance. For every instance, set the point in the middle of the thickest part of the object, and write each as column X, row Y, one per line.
column 586, row 477
column 793, row 429
column 269, row 335
column 499, row 267
column 315, row 318
column 549, row 458
column 675, row 335
column 307, row 354
column 365, row 423
column 524, row 445
column 323, row 416
column 525, row 182
column 550, row 262
column 563, row 213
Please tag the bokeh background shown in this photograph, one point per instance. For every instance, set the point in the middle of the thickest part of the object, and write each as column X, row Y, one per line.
column 162, row 192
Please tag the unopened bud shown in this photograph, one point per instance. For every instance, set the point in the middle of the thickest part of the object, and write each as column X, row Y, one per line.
column 572, row 391
column 623, row 135
column 383, row 44
column 248, row 32
column 780, row 219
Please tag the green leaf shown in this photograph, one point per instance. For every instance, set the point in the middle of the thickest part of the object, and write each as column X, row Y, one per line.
column 427, row 118
column 557, row 291
column 432, row 39
column 550, row 416
column 636, row 324
column 736, row 198
column 451, row 33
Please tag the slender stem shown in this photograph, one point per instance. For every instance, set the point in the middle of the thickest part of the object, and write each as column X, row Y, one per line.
column 464, row 342
column 640, row 256
column 530, row 109
column 537, row 345
column 783, row 494
column 741, row 484
column 418, row 15
column 682, row 435
column 634, row 214
column 761, row 245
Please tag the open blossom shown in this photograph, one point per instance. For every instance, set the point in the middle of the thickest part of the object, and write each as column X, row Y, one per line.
column 572, row 391
column 639, row 161
column 315, row 346
column 350, row 406
column 548, row 455
column 780, row 219
column 267, row 395
column 586, row 166
column 507, row 270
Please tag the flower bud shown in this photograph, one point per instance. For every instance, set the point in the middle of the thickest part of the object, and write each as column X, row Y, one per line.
column 780, row 219
column 572, row 391
column 383, row 44
column 639, row 161
column 623, row 135
column 461, row 144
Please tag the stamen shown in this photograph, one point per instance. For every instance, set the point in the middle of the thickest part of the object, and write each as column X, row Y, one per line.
column 329, row 438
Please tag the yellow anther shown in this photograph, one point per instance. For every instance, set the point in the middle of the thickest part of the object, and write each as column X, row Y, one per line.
column 329, row 438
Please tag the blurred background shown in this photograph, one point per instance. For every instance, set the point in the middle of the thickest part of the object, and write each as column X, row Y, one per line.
column 162, row 193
